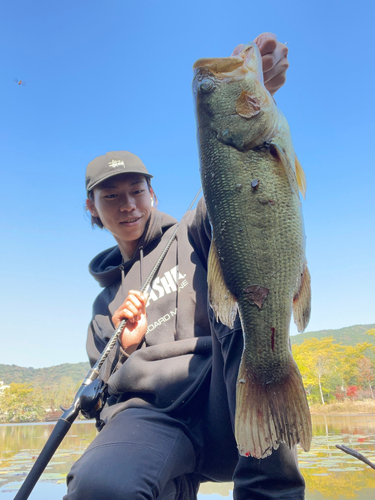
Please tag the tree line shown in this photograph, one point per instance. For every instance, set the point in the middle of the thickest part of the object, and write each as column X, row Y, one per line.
column 331, row 372
column 26, row 402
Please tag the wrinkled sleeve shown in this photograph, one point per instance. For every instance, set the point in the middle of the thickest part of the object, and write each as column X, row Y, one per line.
column 199, row 229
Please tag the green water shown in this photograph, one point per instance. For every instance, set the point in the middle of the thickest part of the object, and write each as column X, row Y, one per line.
column 329, row 473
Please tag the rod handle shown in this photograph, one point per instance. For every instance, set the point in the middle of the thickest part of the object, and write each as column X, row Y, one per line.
column 59, row 432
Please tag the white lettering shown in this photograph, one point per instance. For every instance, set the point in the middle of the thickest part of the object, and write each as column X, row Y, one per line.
column 152, row 296
column 157, row 287
column 173, row 313
column 116, row 163
column 168, row 283
column 174, row 274
column 183, row 284
column 157, row 323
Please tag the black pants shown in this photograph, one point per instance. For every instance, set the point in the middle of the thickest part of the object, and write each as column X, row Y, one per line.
column 143, row 454
column 275, row 477
column 138, row 455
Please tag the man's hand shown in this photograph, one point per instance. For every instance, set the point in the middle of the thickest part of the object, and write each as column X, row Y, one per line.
column 134, row 310
column 274, row 60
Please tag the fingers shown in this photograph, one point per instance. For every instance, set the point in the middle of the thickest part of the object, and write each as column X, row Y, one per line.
column 238, row 49
column 276, row 76
column 132, row 308
column 274, row 61
column 267, row 43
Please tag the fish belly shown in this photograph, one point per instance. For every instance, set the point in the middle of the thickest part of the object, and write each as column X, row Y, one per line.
column 258, row 238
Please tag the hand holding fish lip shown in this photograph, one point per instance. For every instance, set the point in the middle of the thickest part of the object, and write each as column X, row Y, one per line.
column 274, row 60
column 263, row 235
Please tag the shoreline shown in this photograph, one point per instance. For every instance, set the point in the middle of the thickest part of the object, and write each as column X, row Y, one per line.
column 344, row 408
column 365, row 407
column 342, row 414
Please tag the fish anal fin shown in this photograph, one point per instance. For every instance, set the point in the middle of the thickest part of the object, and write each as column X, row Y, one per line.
column 221, row 299
column 247, row 105
column 301, row 178
column 278, row 153
column 302, row 301
column 270, row 414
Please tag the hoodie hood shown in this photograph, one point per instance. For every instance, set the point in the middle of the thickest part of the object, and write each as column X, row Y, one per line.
column 170, row 371
column 106, row 267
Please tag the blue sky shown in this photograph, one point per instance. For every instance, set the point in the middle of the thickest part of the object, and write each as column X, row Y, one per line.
column 104, row 76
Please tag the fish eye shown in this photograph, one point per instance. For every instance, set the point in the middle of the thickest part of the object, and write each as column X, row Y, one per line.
column 206, row 85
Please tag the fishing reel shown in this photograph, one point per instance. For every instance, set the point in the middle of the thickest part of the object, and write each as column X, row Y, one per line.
column 93, row 398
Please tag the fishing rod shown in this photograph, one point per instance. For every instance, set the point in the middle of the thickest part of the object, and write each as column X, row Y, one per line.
column 90, row 397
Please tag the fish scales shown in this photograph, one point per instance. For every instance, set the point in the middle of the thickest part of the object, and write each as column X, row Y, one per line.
column 247, row 268
column 250, row 178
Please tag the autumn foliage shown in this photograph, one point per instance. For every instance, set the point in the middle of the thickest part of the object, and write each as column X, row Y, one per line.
column 332, row 371
column 28, row 403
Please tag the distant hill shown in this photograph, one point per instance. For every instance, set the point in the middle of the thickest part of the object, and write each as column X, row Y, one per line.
column 51, row 375
column 350, row 335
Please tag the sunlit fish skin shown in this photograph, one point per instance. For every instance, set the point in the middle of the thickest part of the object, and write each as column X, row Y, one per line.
column 251, row 177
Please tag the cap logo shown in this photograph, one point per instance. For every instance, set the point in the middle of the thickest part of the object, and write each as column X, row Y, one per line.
column 116, row 163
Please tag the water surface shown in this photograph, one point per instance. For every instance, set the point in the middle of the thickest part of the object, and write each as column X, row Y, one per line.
column 330, row 474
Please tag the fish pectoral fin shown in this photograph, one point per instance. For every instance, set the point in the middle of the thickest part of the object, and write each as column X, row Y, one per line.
column 277, row 152
column 301, row 178
column 302, row 301
column 221, row 299
column 270, row 414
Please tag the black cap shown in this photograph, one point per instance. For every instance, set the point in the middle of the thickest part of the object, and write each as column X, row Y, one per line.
column 113, row 163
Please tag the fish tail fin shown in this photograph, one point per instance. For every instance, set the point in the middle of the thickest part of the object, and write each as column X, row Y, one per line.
column 221, row 299
column 302, row 301
column 270, row 414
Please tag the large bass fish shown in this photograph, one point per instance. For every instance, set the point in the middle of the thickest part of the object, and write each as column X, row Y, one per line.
column 251, row 178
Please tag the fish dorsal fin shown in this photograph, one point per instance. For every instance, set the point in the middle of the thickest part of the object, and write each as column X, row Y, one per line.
column 301, row 178
column 277, row 151
column 221, row 299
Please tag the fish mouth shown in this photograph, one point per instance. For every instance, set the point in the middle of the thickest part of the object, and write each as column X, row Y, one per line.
column 220, row 64
column 249, row 59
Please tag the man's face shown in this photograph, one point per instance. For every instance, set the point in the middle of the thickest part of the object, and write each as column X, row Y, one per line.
column 123, row 203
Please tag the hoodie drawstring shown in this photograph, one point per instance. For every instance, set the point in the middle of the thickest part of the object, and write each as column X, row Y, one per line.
column 177, row 291
column 121, row 267
column 140, row 266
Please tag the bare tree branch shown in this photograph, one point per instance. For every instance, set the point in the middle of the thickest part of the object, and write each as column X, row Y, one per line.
column 355, row 454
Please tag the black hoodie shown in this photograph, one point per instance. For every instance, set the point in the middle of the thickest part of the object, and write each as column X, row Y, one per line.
column 170, row 372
